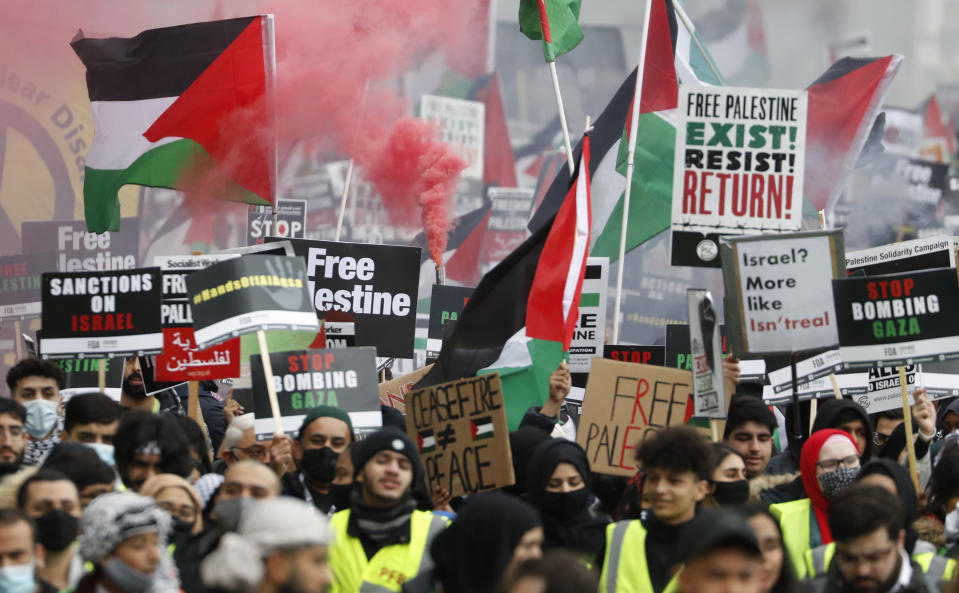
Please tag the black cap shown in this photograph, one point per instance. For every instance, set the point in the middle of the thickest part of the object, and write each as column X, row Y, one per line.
column 716, row 529
column 390, row 439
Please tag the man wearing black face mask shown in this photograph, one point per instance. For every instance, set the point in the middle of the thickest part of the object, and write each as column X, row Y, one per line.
column 325, row 433
column 52, row 501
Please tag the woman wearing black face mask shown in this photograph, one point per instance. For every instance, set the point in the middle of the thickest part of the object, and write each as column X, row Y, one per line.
column 557, row 485
column 729, row 484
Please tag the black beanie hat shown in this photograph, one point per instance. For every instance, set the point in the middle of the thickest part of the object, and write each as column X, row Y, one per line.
column 389, row 439
column 746, row 408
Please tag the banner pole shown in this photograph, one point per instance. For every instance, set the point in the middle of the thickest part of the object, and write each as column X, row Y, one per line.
column 813, row 409
column 797, row 437
column 835, row 386
column 630, row 163
column 18, row 339
column 692, row 35
column 343, row 199
column 562, row 117
column 102, row 373
column 270, row 388
column 907, row 421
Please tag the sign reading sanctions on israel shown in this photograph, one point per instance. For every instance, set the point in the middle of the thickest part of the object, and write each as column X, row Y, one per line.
column 101, row 314
column 461, row 433
column 897, row 319
column 342, row 377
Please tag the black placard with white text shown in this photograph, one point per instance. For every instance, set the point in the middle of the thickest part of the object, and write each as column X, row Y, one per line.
column 20, row 283
column 446, row 303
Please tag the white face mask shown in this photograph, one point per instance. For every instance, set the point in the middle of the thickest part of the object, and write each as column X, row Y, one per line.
column 41, row 417
column 18, row 579
column 105, row 452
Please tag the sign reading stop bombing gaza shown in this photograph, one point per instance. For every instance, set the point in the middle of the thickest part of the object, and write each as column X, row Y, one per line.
column 777, row 291
column 898, row 319
column 738, row 167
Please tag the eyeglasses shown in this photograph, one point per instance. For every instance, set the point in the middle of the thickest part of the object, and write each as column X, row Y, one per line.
column 879, row 439
column 183, row 512
column 253, row 451
column 831, row 465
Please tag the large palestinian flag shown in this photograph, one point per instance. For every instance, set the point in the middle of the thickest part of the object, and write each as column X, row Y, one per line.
column 168, row 102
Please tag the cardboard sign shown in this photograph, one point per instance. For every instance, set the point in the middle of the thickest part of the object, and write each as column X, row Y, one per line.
column 884, row 390
column 250, row 293
column 20, row 283
column 461, row 125
column 807, row 370
column 909, row 256
column 101, row 314
column 850, row 385
column 376, row 284
column 461, row 432
column 709, row 391
column 446, row 304
column 654, row 355
column 624, row 403
column 506, row 230
column 738, row 167
column 898, row 319
column 345, row 378
column 77, row 250
column 777, row 292
column 290, row 221
column 590, row 332
column 393, row 392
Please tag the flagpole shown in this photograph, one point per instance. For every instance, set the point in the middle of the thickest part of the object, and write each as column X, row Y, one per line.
column 692, row 34
column 343, row 199
column 630, row 159
column 562, row 116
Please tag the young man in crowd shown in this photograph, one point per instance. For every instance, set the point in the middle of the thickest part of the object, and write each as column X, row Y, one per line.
column 381, row 541
column 36, row 385
column 325, row 433
column 13, row 437
column 749, row 430
column 641, row 556
column 720, row 554
column 84, row 468
column 52, row 502
column 148, row 444
column 870, row 557
column 20, row 555
column 92, row 420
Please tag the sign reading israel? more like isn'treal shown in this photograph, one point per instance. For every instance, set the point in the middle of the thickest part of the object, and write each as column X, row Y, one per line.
column 899, row 319
column 101, row 314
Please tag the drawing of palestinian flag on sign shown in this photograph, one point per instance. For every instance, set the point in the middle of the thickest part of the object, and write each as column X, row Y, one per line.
column 426, row 441
column 481, row 428
column 162, row 102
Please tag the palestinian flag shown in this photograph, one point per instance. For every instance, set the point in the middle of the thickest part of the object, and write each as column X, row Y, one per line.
column 426, row 441
column 556, row 22
column 938, row 144
column 162, row 102
column 481, row 428
column 672, row 56
column 521, row 317
column 843, row 104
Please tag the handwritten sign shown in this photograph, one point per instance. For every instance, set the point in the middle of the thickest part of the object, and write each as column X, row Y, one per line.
column 624, row 403
column 393, row 392
column 461, row 432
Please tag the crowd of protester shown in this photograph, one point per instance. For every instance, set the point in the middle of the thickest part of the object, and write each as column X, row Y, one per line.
column 135, row 496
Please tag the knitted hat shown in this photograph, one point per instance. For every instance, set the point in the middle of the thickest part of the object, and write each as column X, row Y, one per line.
column 389, row 439
column 114, row 517
column 325, row 412
column 277, row 523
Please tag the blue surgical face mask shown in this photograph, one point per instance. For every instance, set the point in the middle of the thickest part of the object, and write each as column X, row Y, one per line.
column 41, row 417
column 18, row 579
column 128, row 579
column 105, row 452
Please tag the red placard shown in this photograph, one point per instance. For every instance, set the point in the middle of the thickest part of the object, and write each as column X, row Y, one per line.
column 181, row 361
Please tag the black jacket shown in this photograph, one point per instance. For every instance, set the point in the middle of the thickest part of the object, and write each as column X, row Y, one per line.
column 832, row 582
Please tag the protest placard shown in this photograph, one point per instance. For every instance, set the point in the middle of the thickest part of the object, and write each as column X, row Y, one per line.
column 590, row 331
column 709, row 393
column 344, row 378
column 376, row 284
column 101, row 314
column 290, row 221
column 807, row 370
column 20, row 283
column 777, row 291
column 181, row 360
column 461, row 433
column 393, row 392
column 82, row 375
column 920, row 182
column 461, row 125
column 77, row 250
column 446, row 304
column 247, row 294
column 898, row 319
column 940, row 385
column 624, row 403
column 655, row 355
column 851, row 385
column 738, row 167
column 885, row 392
column 506, row 230
column 908, row 256
column 679, row 355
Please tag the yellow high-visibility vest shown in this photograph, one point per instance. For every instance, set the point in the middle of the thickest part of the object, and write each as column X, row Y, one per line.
column 629, row 573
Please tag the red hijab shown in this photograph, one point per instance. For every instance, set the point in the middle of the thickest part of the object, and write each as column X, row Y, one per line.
column 807, row 469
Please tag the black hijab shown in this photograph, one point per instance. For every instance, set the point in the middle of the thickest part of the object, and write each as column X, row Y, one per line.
column 906, row 492
column 567, row 522
column 522, row 443
column 475, row 550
